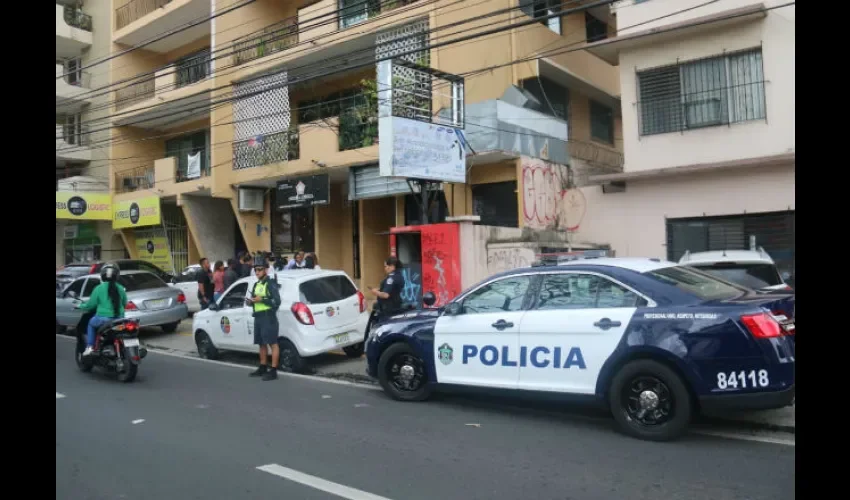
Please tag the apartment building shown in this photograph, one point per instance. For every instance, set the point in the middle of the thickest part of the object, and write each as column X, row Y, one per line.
column 209, row 121
column 83, row 219
column 708, row 98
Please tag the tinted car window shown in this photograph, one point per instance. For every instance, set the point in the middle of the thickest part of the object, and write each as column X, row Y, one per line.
column 753, row 276
column 90, row 286
column 76, row 287
column 326, row 289
column 507, row 294
column 567, row 291
column 140, row 281
column 696, row 283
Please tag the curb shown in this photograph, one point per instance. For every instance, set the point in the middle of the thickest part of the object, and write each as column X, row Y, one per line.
column 364, row 380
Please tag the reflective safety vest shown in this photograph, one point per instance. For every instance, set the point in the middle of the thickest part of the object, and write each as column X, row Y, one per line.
column 260, row 290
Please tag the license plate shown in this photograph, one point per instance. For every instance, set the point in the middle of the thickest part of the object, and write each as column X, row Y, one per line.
column 341, row 338
column 131, row 342
column 156, row 304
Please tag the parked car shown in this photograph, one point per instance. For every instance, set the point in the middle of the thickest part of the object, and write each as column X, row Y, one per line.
column 151, row 301
column 133, row 265
column 321, row 311
column 67, row 274
column 187, row 282
column 753, row 269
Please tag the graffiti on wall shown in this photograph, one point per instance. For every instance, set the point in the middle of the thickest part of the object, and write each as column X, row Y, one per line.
column 547, row 201
column 411, row 294
column 505, row 259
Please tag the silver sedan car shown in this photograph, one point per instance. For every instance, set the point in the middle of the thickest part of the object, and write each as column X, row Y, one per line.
column 150, row 300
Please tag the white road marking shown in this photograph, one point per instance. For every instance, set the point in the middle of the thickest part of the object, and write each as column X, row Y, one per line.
column 361, row 405
column 748, row 437
column 138, row 421
column 319, row 483
column 473, row 425
column 59, row 395
column 326, row 396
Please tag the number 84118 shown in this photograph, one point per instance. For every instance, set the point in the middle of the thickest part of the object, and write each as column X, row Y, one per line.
column 742, row 379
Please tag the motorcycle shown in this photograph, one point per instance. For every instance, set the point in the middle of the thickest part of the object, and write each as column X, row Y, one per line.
column 116, row 349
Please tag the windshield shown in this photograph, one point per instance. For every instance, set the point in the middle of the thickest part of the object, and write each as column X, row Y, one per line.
column 140, row 281
column 753, row 276
column 696, row 283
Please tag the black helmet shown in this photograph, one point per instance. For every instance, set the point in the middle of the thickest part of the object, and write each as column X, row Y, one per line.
column 110, row 272
column 260, row 260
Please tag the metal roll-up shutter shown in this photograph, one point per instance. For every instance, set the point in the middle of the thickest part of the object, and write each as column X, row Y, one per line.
column 367, row 182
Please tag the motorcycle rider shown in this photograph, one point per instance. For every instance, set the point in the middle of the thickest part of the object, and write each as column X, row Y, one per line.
column 107, row 300
column 264, row 297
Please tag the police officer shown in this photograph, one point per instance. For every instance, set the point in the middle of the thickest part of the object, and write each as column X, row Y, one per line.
column 389, row 294
column 265, row 299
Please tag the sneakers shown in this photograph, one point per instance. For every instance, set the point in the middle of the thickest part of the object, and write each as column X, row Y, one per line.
column 259, row 371
column 271, row 374
column 88, row 351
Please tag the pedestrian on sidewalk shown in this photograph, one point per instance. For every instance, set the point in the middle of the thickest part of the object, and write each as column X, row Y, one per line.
column 265, row 300
column 218, row 280
column 245, row 266
column 205, row 283
column 231, row 275
column 311, row 261
column 297, row 261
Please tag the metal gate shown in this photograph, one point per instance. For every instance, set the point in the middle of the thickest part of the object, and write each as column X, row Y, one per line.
column 177, row 233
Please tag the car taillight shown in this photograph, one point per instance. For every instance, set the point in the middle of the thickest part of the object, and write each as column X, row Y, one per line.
column 93, row 269
column 131, row 307
column 181, row 299
column 362, row 299
column 762, row 326
column 302, row 313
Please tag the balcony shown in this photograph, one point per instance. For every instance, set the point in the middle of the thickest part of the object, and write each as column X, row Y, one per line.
column 267, row 149
column 275, row 38
column 72, row 90
column 135, row 179
column 72, row 144
column 354, row 12
column 140, row 20
column 73, row 31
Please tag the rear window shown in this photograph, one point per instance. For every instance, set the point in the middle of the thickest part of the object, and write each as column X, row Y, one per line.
column 326, row 289
column 140, row 281
column 696, row 283
column 753, row 276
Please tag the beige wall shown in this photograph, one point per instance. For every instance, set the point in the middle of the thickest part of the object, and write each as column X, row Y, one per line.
column 633, row 222
column 376, row 216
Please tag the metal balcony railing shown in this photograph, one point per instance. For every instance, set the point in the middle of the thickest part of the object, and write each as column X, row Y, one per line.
column 358, row 128
column 708, row 108
column 75, row 135
column 134, row 10
column 130, row 94
column 192, row 69
column 275, row 38
column 182, row 174
column 600, row 158
column 354, row 12
column 76, row 18
column 266, row 149
column 78, row 79
column 134, row 180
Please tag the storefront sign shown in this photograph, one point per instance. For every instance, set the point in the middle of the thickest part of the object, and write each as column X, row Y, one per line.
column 304, row 191
column 137, row 213
column 155, row 250
column 83, row 206
column 419, row 150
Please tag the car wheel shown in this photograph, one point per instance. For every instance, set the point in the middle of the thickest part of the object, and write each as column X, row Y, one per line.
column 206, row 348
column 170, row 327
column 401, row 373
column 289, row 359
column 354, row 351
column 650, row 401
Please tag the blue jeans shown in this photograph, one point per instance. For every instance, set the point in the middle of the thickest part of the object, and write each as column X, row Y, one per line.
column 95, row 323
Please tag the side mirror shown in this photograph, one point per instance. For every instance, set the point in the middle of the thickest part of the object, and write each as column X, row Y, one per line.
column 429, row 299
column 454, row 308
column 73, row 294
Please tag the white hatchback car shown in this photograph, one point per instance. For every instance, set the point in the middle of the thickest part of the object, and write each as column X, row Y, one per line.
column 321, row 311
column 753, row 269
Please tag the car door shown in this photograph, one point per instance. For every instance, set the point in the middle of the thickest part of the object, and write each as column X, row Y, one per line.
column 66, row 315
column 574, row 324
column 479, row 346
column 232, row 317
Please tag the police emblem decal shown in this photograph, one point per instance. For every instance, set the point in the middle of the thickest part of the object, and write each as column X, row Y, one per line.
column 446, row 356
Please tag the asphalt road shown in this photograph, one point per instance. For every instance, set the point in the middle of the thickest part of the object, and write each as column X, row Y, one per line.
column 190, row 429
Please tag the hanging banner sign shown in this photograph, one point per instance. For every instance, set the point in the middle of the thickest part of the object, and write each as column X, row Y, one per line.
column 136, row 213
column 155, row 251
column 83, row 206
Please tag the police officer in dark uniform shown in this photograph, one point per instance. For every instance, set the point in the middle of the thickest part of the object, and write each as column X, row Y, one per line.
column 389, row 294
column 264, row 297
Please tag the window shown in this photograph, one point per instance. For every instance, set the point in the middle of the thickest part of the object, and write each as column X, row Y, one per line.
column 356, row 11
column 611, row 294
column 584, row 291
column 755, row 276
column 187, row 146
column 293, row 229
column 75, row 287
column 438, row 208
column 192, row 68
column 91, row 284
column 496, row 204
column 543, row 8
column 601, row 122
column 704, row 93
column 506, row 295
column 594, row 28
column 140, row 281
column 235, row 298
column 696, row 283
column 554, row 99
column 327, row 289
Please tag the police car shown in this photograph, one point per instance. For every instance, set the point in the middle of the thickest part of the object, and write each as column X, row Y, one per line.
column 321, row 311
column 653, row 340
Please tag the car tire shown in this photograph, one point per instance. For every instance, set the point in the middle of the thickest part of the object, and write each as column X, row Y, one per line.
column 289, row 359
column 206, row 348
column 170, row 327
column 394, row 358
column 354, row 351
column 650, row 401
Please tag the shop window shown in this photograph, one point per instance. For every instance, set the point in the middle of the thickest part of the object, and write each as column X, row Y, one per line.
column 496, row 204
column 554, row 98
column 293, row 230
column 438, row 209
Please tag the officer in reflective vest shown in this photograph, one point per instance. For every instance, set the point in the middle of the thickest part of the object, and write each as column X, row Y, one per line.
column 265, row 299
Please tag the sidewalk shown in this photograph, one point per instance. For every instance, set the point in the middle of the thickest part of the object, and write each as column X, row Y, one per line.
column 339, row 366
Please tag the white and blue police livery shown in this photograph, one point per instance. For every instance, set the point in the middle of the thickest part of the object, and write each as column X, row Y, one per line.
column 654, row 340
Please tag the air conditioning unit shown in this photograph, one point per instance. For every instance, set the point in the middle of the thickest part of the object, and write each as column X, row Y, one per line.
column 251, row 200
